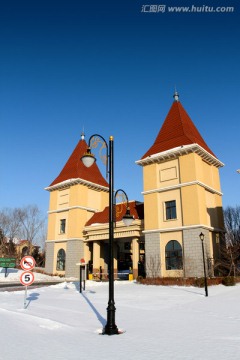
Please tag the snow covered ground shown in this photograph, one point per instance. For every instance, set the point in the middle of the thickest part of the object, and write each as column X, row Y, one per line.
column 160, row 322
column 13, row 275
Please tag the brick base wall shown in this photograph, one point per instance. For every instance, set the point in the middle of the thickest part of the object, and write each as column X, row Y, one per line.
column 74, row 253
column 49, row 257
column 193, row 257
column 152, row 255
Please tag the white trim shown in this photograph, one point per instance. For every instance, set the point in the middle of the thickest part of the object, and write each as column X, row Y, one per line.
column 72, row 208
column 180, row 228
column 63, row 240
column 75, row 181
column 181, row 150
column 178, row 186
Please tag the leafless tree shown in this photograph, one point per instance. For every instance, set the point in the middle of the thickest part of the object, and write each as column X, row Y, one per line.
column 10, row 227
column 229, row 261
column 153, row 266
column 21, row 223
column 232, row 224
column 32, row 222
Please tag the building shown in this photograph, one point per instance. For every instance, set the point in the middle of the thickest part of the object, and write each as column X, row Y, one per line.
column 78, row 222
column 182, row 198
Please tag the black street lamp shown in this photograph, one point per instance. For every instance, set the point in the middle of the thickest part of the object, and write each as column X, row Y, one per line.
column 127, row 218
column 201, row 236
column 88, row 159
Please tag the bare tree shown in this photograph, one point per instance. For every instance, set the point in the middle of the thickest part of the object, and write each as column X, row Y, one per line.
column 153, row 266
column 32, row 222
column 232, row 224
column 229, row 262
column 10, row 227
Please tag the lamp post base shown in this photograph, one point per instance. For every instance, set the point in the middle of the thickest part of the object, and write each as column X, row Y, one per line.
column 111, row 331
column 110, row 327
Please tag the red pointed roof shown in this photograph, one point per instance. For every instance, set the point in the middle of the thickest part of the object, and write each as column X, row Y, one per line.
column 101, row 217
column 74, row 168
column 177, row 130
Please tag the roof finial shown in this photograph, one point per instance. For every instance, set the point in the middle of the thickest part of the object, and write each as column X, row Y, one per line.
column 82, row 134
column 176, row 95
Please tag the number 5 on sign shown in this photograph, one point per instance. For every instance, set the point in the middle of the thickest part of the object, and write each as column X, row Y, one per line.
column 27, row 278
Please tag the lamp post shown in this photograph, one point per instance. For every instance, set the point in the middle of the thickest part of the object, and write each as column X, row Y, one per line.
column 127, row 218
column 88, row 159
column 201, row 236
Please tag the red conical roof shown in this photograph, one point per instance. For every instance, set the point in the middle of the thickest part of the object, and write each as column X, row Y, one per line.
column 102, row 217
column 74, row 168
column 177, row 130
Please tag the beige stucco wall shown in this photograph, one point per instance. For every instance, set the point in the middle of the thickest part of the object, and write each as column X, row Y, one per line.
column 76, row 204
column 157, row 176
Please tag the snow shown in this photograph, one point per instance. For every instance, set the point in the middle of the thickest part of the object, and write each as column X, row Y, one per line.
column 13, row 275
column 160, row 322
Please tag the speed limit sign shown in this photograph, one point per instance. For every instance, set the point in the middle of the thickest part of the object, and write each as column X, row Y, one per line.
column 27, row 278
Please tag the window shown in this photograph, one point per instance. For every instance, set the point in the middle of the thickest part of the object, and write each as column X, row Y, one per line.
column 61, row 255
column 171, row 211
column 173, row 253
column 62, row 226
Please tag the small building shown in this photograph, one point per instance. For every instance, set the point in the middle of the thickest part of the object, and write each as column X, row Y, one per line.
column 182, row 198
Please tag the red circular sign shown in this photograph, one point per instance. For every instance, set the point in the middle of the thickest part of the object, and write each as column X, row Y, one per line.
column 27, row 278
column 27, row 263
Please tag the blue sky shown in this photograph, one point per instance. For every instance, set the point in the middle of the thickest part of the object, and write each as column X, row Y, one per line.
column 111, row 69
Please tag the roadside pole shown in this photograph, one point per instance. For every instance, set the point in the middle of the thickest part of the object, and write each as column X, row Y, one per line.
column 82, row 274
column 27, row 277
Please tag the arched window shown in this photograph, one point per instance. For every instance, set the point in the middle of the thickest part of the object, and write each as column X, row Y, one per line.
column 173, row 253
column 61, row 255
column 25, row 251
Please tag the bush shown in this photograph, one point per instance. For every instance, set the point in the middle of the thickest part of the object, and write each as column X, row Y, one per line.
column 199, row 282
column 229, row 281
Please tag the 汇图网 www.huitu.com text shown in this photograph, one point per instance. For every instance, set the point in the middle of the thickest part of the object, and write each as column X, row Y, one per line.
column 186, row 9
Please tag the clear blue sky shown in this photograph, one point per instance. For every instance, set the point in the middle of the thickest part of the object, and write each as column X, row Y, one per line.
column 109, row 68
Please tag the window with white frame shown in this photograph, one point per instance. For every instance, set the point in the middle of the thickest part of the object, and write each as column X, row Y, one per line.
column 173, row 255
column 170, row 210
column 62, row 226
column 61, row 256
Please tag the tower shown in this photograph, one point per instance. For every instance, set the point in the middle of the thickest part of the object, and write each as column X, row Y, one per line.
column 182, row 198
column 75, row 195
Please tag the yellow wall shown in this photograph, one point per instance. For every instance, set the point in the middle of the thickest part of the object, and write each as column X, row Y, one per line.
column 161, row 175
column 199, row 204
column 76, row 204
column 194, row 209
column 169, row 196
column 151, row 213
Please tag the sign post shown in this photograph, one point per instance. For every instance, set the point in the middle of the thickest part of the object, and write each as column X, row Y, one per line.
column 27, row 277
column 82, row 275
column 7, row 263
